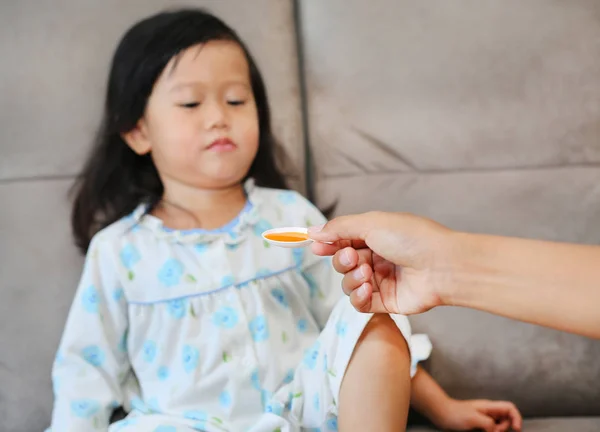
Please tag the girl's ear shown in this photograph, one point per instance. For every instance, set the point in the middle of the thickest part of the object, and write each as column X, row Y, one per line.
column 137, row 138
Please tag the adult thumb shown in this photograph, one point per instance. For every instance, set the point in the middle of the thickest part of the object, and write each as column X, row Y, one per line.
column 354, row 228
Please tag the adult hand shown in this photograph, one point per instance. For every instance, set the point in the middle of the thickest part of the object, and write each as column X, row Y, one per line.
column 391, row 262
column 399, row 263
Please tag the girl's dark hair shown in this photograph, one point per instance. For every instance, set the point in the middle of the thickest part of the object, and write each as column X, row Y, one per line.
column 115, row 180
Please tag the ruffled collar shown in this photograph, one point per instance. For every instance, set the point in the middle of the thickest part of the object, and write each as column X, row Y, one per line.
column 233, row 233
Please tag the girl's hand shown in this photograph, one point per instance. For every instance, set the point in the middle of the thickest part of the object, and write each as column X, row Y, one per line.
column 490, row 416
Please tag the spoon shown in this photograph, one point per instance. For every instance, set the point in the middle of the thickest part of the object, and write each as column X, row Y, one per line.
column 288, row 237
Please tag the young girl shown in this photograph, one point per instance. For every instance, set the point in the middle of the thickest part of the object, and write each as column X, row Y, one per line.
column 183, row 315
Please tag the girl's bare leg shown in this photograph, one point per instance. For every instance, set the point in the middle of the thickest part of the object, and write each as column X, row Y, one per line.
column 375, row 391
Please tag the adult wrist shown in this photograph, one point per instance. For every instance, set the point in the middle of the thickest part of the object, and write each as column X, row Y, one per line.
column 461, row 268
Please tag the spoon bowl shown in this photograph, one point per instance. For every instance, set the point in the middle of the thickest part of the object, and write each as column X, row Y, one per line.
column 288, row 237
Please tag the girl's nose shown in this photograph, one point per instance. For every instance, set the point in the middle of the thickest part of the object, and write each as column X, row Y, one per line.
column 215, row 115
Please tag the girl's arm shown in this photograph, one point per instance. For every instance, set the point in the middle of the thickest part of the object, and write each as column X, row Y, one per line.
column 428, row 398
column 92, row 360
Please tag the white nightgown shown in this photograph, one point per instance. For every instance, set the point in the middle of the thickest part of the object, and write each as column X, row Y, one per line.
column 208, row 330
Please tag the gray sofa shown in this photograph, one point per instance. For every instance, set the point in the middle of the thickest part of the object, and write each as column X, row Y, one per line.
column 484, row 115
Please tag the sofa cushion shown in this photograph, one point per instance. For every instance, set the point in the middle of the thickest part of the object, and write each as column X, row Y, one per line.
column 573, row 424
column 59, row 52
column 484, row 116
column 57, row 55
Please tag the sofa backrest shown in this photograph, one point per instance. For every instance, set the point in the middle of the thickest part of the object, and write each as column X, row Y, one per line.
column 484, row 115
column 55, row 58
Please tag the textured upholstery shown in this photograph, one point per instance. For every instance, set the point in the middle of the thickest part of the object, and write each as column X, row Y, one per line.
column 484, row 115
column 55, row 65
column 576, row 424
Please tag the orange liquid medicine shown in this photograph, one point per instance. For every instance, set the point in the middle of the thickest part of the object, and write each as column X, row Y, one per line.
column 287, row 237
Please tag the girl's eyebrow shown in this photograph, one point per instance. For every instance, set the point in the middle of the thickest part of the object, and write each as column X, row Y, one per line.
column 181, row 86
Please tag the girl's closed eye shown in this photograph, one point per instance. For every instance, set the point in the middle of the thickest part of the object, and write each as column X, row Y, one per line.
column 236, row 102
column 237, row 95
column 189, row 104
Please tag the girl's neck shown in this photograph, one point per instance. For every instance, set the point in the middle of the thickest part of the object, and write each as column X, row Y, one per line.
column 189, row 208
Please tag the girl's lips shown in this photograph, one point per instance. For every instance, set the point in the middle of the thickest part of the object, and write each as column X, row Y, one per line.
column 222, row 145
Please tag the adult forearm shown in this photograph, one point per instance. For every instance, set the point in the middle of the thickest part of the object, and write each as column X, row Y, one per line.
column 551, row 284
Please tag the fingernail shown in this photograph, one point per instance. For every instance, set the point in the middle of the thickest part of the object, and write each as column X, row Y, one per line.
column 315, row 229
column 358, row 274
column 345, row 258
column 362, row 291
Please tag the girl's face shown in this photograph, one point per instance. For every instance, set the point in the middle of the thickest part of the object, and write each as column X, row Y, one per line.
column 201, row 121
